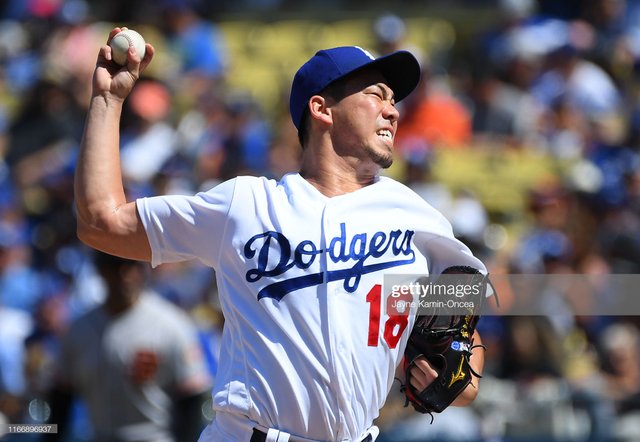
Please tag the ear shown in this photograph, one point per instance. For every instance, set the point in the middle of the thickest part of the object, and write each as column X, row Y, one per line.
column 319, row 109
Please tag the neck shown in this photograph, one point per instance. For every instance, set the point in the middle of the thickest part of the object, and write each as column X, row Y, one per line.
column 114, row 305
column 335, row 175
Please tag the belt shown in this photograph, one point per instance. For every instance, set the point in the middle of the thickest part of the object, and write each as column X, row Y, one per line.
column 261, row 436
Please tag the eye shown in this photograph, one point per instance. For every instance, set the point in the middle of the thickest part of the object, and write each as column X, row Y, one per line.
column 377, row 94
column 381, row 94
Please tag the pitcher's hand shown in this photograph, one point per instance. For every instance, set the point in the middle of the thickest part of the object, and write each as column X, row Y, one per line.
column 114, row 81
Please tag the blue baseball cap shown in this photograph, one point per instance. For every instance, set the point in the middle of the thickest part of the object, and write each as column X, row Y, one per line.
column 400, row 69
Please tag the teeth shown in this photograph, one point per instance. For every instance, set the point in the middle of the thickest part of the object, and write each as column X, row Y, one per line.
column 385, row 133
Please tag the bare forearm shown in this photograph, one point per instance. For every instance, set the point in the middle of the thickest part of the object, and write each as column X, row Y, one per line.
column 98, row 179
column 106, row 221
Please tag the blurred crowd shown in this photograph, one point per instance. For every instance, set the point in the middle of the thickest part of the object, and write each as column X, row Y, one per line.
column 557, row 79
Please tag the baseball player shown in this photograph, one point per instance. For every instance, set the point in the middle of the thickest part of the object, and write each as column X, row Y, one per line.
column 135, row 361
column 309, row 349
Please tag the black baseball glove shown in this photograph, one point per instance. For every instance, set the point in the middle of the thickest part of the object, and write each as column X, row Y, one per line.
column 445, row 338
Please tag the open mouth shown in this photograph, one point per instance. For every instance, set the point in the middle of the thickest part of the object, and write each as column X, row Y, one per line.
column 385, row 133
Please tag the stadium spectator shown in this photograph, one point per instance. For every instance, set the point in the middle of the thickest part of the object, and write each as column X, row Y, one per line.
column 136, row 363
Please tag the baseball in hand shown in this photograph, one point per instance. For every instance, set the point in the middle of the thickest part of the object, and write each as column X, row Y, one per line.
column 121, row 42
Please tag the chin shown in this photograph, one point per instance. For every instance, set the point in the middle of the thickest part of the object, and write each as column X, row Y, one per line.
column 384, row 160
column 385, row 163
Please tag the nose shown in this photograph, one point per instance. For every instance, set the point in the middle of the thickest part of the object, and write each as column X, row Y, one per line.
column 390, row 112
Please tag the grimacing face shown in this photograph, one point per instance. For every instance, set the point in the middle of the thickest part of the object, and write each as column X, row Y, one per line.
column 365, row 120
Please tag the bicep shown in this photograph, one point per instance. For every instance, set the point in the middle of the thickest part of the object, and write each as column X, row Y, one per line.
column 118, row 232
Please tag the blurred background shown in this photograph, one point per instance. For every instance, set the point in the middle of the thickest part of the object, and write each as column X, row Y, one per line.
column 525, row 133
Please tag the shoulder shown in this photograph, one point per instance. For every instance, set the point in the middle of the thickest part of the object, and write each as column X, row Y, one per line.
column 225, row 190
column 170, row 321
column 415, row 209
column 164, row 310
column 245, row 183
column 263, row 188
column 154, row 303
column 92, row 319
column 403, row 194
column 390, row 183
column 262, row 182
column 90, row 316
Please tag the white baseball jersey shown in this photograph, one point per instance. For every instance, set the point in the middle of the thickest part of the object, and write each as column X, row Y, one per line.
column 307, row 346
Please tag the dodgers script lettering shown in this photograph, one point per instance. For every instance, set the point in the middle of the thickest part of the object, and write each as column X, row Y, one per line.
column 367, row 253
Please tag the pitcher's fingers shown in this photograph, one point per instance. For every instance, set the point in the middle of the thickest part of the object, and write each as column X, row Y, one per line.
column 148, row 56
column 417, row 383
column 113, row 33
column 422, row 374
column 105, row 53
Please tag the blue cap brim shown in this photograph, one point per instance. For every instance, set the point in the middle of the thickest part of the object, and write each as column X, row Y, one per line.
column 400, row 69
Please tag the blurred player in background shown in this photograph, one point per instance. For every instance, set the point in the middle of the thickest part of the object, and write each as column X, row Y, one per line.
column 136, row 363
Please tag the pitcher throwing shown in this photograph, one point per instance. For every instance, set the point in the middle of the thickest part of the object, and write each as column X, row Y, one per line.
column 309, row 350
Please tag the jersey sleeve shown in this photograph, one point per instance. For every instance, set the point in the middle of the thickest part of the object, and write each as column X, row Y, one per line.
column 181, row 228
column 446, row 251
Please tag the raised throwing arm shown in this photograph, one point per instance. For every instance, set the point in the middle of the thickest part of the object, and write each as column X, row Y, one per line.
column 106, row 221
